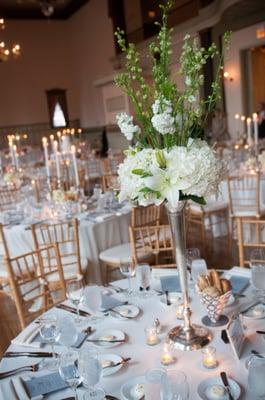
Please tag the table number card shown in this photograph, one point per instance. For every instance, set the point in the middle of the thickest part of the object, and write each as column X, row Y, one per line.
column 236, row 336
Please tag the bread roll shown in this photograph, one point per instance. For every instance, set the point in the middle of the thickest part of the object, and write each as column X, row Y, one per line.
column 202, row 282
column 226, row 285
column 212, row 291
column 216, row 280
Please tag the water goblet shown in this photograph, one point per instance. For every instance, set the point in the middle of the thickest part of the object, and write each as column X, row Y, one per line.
column 74, row 292
column 198, row 267
column 143, row 278
column 257, row 264
column 68, row 369
column 256, row 371
column 90, row 369
column 127, row 269
column 174, row 386
column 49, row 333
column 192, row 253
column 153, row 383
column 93, row 300
column 68, row 333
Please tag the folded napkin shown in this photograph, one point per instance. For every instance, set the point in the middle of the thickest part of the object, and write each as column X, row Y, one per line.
column 44, row 384
column 28, row 337
column 108, row 302
column 14, row 388
column 239, row 278
column 170, row 283
column 240, row 271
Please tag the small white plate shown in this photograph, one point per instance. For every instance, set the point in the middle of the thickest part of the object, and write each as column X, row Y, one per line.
column 114, row 359
column 126, row 312
column 250, row 313
column 173, row 297
column 113, row 333
column 127, row 388
column 235, row 388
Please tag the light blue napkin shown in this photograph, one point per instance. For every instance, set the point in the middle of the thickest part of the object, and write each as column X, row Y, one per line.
column 79, row 341
column 239, row 283
column 108, row 302
column 170, row 283
column 45, row 384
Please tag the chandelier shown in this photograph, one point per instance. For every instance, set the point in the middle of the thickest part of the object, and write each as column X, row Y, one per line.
column 5, row 52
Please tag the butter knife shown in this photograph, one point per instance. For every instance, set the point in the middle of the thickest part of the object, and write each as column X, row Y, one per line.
column 226, row 385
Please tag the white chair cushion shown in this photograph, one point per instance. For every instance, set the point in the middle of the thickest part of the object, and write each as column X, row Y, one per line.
column 209, row 207
column 121, row 253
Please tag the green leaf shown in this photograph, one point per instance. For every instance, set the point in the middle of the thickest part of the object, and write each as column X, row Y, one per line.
column 138, row 171
column 196, row 199
column 146, row 190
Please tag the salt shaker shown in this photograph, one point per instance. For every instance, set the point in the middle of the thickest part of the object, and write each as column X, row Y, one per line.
column 157, row 325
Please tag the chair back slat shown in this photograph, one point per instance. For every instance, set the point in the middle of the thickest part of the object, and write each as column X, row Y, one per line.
column 8, row 197
column 244, row 194
column 251, row 235
column 142, row 216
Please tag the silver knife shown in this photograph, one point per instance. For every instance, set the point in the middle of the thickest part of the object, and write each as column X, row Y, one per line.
column 226, row 385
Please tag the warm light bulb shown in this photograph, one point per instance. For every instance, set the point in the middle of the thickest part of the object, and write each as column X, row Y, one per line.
column 2, row 44
column 237, row 116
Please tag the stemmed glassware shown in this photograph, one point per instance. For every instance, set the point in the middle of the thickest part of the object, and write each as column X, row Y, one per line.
column 174, row 386
column 75, row 292
column 69, row 371
column 49, row 333
column 93, row 300
column 68, row 333
column 90, row 369
column 153, row 383
column 143, row 277
column 198, row 267
column 257, row 264
column 127, row 269
column 192, row 253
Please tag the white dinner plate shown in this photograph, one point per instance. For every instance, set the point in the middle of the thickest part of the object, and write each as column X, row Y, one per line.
column 113, row 359
column 251, row 315
column 128, row 389
column 235, row 388
column 110, row 333
column 173, row 297
column 125, row 312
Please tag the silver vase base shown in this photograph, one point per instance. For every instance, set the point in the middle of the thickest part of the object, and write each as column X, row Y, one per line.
column 223, row 320
column 197, row 337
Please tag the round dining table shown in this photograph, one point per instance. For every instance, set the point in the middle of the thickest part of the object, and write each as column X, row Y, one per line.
column 142, row 356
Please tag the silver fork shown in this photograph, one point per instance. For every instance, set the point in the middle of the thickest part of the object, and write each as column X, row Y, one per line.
column 29, row 368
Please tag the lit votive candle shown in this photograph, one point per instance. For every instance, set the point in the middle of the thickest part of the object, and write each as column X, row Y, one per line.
column 167, row 357
column 151, row 336
column 179, row 311
column 209, row 357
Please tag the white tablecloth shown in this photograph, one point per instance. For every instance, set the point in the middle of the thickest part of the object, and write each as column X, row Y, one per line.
column 94, row 237
column 145, row 357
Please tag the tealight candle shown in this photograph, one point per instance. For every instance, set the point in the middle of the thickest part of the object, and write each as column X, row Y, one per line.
column 151, row 336
column 179, row 311
column 166, row 355
column 209, row 357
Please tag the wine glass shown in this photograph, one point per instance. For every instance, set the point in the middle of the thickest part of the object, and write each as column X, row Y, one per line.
column 127, row 269
column 174, row 386
column 49, row 333
column 257, row 264
column 153, row 383
column 143, row 278
column 93, row 300
column 68, row 333
column 256, row 371
column 198, row 267
column 74, row 292
column 90, row 369
column 69, row 371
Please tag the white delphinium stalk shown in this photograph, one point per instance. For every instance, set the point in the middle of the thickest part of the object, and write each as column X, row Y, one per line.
column 162, row 120
column 125, row 123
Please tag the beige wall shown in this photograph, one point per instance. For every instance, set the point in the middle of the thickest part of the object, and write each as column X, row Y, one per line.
column 66, row 54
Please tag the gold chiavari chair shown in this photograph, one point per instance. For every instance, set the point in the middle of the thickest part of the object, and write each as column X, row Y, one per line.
column 142, row 216
column 110, row 182
column 29, row 276
column 251, row 235
column 153, row 243
column 9, row 325
column 66, row 235
column 112, row 163
column 8, row 197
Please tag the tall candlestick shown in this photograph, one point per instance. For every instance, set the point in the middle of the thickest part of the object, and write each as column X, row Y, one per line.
column 59, row 139
column 11, row 150
column 243, row 119
column 75, row 165
column 57, row 162
column 15, row 156
column 249, row 140
column 256, row 132
column 237, row 124
column 45, row 148
column 52, row 141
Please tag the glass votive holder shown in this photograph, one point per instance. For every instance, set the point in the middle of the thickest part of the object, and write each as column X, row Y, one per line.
column 151, row 337
column 209, row 357
column 179, row 311
column 167, row 356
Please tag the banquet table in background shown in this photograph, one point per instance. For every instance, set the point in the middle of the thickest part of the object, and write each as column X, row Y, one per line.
column 108, row 230
column 146, row 357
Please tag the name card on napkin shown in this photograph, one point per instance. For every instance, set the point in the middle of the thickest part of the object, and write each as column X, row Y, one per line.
column 44, row 384
column 236, row 336
column 170, row 283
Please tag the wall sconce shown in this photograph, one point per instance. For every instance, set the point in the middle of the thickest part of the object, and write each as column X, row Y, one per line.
column 227, row 76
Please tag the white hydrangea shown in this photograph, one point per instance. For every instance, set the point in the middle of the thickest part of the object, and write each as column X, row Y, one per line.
column 162, row 120
column 193, row 170
column 125, row 123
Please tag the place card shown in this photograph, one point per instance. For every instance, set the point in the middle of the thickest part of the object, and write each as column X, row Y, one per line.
column 170, row 283
column 239, row 283
column 236, row 336
column 44, row 384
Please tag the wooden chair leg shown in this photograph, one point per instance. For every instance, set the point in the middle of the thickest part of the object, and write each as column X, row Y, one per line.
column 240, row 242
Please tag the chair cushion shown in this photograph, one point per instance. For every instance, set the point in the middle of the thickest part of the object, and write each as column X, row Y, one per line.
column 121, row 253
column 209, row 207
column 247, row 213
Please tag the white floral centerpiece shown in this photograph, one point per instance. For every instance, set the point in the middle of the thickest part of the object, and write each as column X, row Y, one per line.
column 252, row 163
column 13, row 178
column 169, row 161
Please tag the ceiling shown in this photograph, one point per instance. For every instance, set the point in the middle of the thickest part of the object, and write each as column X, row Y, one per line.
column 31, row 9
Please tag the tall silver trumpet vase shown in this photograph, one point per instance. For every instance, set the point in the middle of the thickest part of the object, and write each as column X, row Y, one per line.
column 185, row 336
